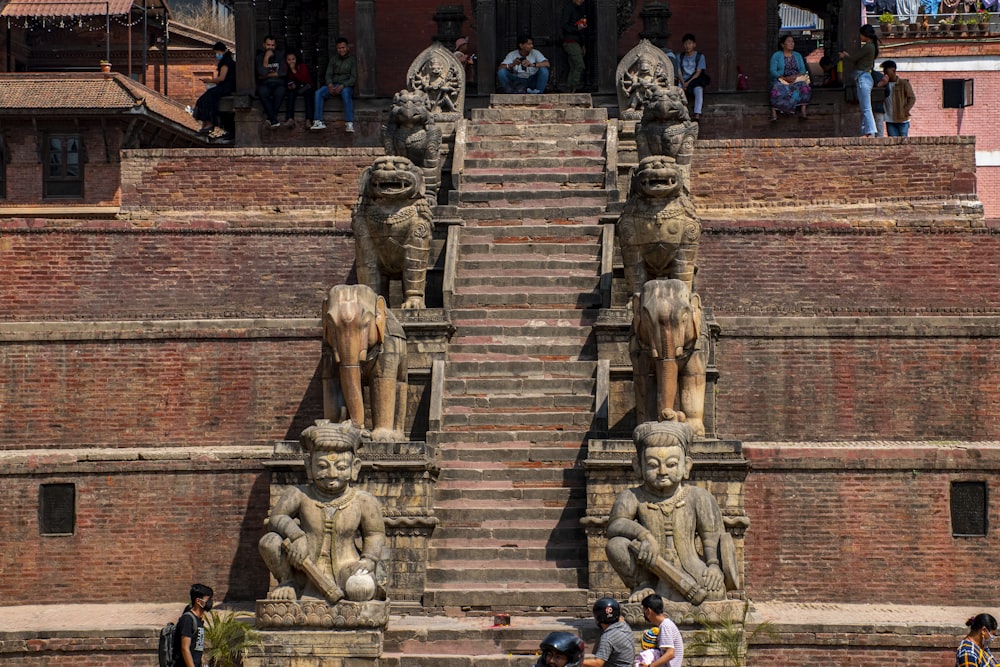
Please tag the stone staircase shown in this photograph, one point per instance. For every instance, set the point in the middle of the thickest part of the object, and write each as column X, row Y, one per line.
column 518, row 401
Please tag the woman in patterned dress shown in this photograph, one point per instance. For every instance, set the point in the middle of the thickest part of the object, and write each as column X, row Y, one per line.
column 789, row 81
column 974, row 650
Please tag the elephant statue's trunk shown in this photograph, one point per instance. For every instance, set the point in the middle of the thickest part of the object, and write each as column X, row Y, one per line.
column 350, row 383
column 666, row 376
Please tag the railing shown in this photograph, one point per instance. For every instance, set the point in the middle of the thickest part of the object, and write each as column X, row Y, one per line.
column 943, row 26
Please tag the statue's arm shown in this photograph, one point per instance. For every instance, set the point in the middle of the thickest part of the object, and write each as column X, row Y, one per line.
column 282, row 518
column 623, row 520
column 372, row 530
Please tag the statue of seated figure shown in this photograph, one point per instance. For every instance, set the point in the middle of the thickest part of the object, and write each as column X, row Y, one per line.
column 310, row 546
column 655, row 529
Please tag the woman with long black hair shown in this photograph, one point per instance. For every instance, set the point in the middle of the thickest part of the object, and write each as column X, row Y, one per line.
column 863, row 61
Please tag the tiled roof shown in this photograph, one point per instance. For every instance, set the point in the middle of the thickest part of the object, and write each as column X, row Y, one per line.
column 19, row 8
column 89, row 91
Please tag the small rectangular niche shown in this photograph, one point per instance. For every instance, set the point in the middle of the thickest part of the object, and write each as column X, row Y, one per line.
column 969, row 509
column 56, row 509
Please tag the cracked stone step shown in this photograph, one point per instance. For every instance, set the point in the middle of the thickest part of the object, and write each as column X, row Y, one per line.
column 489, row 571
column 590, row 176
column 531, row 596
column 545, row 401
column 567, row 532
column 470, row 281
column 525, row 130
column 527, row 316
column 467, row 438
column 505, row 420
column 513, row 162
column 559, row 115
column 462, row 550
column 530, row 264
column 536, row 196
column 522, row 369
column 502, row 298
column 508, row 490
column 486, row 216
column 518, row 386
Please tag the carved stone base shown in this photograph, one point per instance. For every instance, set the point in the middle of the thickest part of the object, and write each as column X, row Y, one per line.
column 317, row 614
column 683, row 612
column 298, row 648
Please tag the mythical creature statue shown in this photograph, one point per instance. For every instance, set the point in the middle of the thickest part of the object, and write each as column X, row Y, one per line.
column 392, row 225
column 658, row 229
column 412, row 133
column 667, row 536
column 669, row 351
column 666, row 128
column 364, row 344
column 436, row 72
column 311, row 544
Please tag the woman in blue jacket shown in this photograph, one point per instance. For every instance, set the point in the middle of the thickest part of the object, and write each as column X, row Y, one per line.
column 789, row 80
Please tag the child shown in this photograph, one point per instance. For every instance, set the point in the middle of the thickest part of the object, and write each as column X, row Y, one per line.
column 649, row 652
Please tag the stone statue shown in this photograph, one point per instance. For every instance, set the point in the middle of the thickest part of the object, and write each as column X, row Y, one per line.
column 658, row 228
column 667, row 536
column 412, row 133
column 667, row 129
column 669, row 343
column 311, row 546
column 364, row 344
column 392, row 225
column 642, row 68
column 436, row 72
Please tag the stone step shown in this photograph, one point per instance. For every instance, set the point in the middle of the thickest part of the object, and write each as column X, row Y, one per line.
column 568, row 438
column 543, row 401
column 528, row 130
column 523, row 316
column 505, row 352
column 563, row 555
column 526, row 473
column 510, row 597
column 591, row 143
column 485, row 368
column 510, row 454
column 561, row 115
column 536, row 387
column 495, row 419
column 542, row 572
column 540, row 196
column 527, row 163
column 531, row 264
column 507, row 490
column 531, row 332
column 583, row 176
column 501, row 297
column 516, row 150
column 476, row 216
column 518, row 275
column 567, row 531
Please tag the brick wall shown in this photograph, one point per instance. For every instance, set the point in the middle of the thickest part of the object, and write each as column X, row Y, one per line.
column 266, row 179
column 143, row 529
column 856, row 525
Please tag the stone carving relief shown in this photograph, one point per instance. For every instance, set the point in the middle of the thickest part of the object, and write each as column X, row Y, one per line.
column 667, row 536
column 658, row 228
column 642, row 69
column 364, row 345
column 392, row 224
column 325, row 539
column 669, row 352
column 437, row 74
column 666, row 128
column 412, row 133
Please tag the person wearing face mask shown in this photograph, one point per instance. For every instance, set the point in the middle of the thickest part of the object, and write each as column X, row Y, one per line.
column 974, row 650
column 206, row 109
column 190, row 632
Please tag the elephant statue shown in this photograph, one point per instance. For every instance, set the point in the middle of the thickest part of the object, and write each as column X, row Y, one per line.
column 669, row 342
column 658, row 228
column 363, row 344
column 392, row 224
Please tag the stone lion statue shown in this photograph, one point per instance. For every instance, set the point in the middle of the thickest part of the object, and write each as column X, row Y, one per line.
column 666, row 128
column 412, row 133
column 658, row 229
column 392, row 225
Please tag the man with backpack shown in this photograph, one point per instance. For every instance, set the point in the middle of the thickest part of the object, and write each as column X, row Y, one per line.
column 185, row 647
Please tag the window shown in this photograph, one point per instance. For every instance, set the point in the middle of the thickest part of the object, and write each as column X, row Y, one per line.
column 63, row 166
column 968, row 509
column 56, row 509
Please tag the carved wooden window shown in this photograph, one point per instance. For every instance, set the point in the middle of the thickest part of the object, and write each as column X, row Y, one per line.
column 56, row 509
column 969, row 517
column 63, row 166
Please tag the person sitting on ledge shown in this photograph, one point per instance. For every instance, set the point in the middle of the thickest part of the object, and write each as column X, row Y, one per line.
column 310, row 544
column 524, row 69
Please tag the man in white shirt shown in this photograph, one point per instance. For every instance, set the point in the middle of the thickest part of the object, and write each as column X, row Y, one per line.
column 524, row 69
column 669, row 640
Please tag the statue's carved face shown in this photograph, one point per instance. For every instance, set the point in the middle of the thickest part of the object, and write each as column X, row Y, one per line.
column 657, row 177
column 394, row 177
column 663, row 469
column 332, row 472
column 410, row 108
column 664, row 103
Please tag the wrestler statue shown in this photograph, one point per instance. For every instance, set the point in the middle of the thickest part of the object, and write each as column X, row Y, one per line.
column 654, row 530
column 311, row 543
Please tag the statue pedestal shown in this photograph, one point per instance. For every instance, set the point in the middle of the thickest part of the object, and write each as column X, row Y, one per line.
column 312, row 648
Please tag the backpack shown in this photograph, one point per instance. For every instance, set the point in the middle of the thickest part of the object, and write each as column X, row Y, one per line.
column 167, row 649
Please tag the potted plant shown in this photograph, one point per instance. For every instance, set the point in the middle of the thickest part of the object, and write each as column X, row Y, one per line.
column 105, row 65
column 983, row 17
column 885, row 21
column 228, row 639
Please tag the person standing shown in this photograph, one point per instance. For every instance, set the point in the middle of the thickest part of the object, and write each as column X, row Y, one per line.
column 974, row 650
column 863, row 61
column 899, row 101
column 190, row 631
column 341, row 77
column 574, row 34
column 615, row 647
column 669, row 639
column 270, row 79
